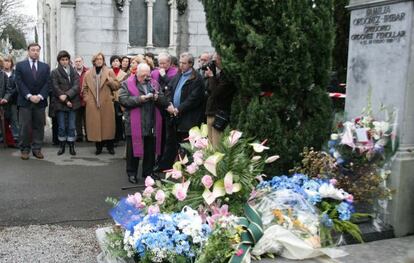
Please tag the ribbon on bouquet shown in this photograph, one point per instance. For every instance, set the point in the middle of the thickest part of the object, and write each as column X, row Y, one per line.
column 252, row 232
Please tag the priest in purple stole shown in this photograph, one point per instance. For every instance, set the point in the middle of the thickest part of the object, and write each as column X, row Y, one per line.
column 143, row 124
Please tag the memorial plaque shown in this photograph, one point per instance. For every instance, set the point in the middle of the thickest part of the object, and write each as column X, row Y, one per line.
column 381, row 58
column 378, row 55
column 138, row 23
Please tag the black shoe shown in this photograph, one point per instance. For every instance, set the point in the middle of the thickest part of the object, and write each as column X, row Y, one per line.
column 79, row 139
column 111, row 151
column 98, row 146
column 133, row 179
column 61, row 148
column 72, row 148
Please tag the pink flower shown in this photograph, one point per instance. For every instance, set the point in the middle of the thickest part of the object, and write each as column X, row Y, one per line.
column 192, row 168
column 207, row 181
column 218, row 212
column 135, row 200
column 180, row 190
column 149, row 181
column 153, row 209
column 333, row 181
column 239, row 252
column 201, row 143
column 176, row 174
column 148, row 191
column 234, row 137
column 160, row 197
column 198, row 157
column 350, row 198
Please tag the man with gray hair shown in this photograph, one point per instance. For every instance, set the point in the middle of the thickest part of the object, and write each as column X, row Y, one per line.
column 185, row 109
column 142, row 101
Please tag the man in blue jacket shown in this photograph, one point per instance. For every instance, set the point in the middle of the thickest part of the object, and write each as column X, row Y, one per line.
column 33, row 84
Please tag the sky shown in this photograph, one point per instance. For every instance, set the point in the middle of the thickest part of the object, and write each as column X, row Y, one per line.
column 30, row 8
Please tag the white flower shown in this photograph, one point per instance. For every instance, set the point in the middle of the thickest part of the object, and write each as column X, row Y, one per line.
column 334, row 136
column 259, row 147
column 271, row 159
column 329, row 191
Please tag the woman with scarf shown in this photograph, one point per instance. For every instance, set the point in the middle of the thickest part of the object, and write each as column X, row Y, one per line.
column 99, row 85
column 143, row 124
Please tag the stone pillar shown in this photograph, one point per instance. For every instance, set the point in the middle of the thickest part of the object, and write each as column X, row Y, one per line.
column 67, row 27
column 150, row 5
column 381, row 54
column 173, row 10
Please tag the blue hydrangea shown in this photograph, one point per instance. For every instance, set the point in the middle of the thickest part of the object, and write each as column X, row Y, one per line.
column 344, row 210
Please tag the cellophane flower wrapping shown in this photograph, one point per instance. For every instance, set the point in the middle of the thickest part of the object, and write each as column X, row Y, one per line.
column 291, row 211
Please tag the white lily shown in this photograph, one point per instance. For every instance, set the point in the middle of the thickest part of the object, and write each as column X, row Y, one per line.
column 211, row 163
column 229, row 186
column 218, row 191
column 272, row 158
column 259, row 147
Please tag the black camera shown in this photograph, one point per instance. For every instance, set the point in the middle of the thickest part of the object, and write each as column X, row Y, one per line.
column 211, row 65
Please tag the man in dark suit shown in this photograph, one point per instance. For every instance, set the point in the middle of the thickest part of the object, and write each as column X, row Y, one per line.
column 185, row 108
column 33, row 84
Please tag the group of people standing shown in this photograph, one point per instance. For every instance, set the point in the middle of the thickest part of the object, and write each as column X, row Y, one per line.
column 149, row 101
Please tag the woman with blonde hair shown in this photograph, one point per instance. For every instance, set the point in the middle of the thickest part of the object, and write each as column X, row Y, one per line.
column 98, row 88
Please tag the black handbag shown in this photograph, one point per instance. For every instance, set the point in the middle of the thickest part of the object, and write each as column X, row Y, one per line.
column 221, row 120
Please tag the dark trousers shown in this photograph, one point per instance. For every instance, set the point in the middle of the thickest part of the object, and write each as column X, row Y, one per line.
column 148, row 161
column 171, row 146
column 32, row 122
column 80, row 123
column 119, row 125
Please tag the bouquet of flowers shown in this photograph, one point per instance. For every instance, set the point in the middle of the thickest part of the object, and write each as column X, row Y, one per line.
column 291, row 202
column 160, row 237
column 226, row 174
column 361, row 149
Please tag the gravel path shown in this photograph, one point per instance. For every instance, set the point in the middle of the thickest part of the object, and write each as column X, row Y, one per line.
column 48, row 243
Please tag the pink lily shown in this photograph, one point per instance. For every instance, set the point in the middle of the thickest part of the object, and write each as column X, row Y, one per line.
column 180, row 190
column 234, row 137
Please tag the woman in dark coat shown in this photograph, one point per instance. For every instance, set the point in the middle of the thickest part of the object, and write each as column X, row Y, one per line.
column 65, row 101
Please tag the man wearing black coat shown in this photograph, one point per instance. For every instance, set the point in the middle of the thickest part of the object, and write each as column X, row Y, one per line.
column 185, row 108
column 33, row 84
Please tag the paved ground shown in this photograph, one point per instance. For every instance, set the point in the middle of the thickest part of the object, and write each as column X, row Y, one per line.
column 59, row 189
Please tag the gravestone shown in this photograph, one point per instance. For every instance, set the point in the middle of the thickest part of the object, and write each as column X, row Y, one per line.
column 381, row 59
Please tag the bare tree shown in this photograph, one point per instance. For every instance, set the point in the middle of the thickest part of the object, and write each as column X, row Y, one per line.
column 10, row 14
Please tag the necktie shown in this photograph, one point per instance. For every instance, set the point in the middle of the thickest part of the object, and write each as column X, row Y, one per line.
column 34, row 70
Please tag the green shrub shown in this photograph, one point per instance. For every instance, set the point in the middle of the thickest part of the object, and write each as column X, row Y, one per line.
column 283, row 47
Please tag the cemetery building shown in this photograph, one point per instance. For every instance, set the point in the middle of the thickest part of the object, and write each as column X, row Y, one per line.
column 120, row 27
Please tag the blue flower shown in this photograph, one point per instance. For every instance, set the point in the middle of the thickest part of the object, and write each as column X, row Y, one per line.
column 344, row 210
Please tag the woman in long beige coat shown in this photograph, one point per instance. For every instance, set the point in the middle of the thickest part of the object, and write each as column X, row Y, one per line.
column 99, row 86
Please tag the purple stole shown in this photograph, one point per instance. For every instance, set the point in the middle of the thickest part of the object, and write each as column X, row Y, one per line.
column 135, row 119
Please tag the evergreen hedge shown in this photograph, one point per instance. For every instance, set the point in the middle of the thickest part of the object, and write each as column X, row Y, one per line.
column 283, row 47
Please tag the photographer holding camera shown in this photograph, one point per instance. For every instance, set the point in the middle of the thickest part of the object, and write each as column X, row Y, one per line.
column 143, row 123
column 221, row 91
